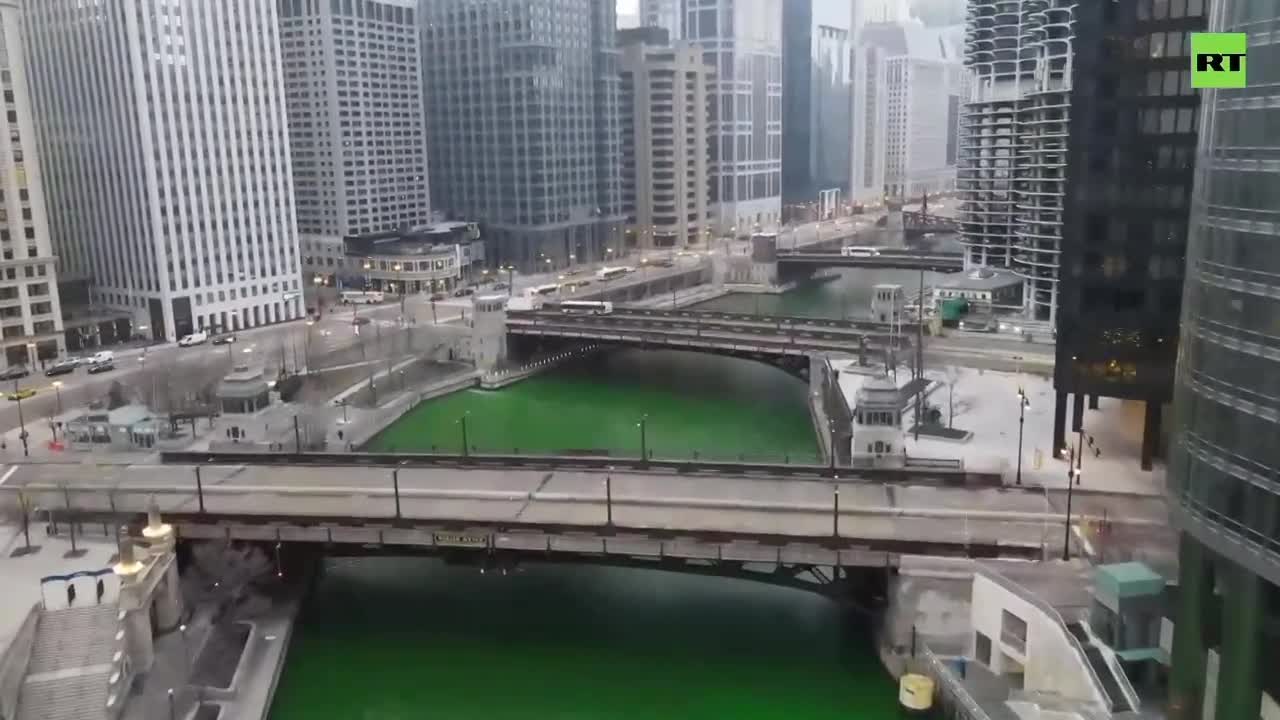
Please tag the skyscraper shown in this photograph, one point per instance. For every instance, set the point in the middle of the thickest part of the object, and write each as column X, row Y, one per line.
column 666, row 14
column 1014, row 142
column 742, row 39
column 523, row 124
column 163, row 132
column 30, row 314
column 664, row 139
column 817, row 86
column 1224, row 471
column 1130, row 160
column 352, row 78
column 869, row 125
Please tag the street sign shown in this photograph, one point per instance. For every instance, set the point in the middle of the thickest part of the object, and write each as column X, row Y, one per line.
column 465, row 540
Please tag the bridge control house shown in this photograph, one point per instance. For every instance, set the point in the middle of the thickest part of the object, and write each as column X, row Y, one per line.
column 426, row 258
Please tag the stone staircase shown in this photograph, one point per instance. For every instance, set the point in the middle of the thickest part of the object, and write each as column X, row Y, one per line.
column 71, row 666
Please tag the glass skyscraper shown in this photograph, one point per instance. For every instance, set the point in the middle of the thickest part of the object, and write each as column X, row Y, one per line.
column 1224, row 479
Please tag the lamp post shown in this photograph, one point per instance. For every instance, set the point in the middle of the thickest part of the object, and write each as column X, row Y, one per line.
column 644, row 441
column 22, row 434
column 400, row 287
column 57, row 393
column 511, row 269
column 1023, row 403
column 835, row 510
column 1073, row 472
column 465, row 447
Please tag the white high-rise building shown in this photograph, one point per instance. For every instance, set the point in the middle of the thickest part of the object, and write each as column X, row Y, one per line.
column 742, row 39
column 162, row 126
column 665, row 14
column 1013, row 149
column 30, row 314
column 870, row 123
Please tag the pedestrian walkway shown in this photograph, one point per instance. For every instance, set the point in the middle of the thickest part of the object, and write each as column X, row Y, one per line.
column 69, row 671
column 22, row 573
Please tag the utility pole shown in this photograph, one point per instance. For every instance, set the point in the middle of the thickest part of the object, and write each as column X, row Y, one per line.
column 919, row 350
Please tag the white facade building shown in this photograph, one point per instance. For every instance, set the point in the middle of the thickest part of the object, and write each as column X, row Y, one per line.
column 30, row 314
column 665, row 132
column 163, row 131
column 353, row 90
column 923, row 78
column 1012, row 162
column 665, row 14
column 870, row 123
column 742, row 39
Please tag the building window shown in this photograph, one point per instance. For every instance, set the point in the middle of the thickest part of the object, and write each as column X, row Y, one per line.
column 982, row 648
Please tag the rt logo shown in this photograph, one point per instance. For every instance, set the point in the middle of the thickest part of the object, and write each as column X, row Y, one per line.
column 1218, row 60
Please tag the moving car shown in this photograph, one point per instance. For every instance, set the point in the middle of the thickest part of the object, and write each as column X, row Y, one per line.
column 464, row 292
column 101, row 366
column 437, row 297
column 102, row 356
column 224, row 339
column 14, row 372
column 500, row 286
column 62, row 367
column 22, row 394
column 196, row 338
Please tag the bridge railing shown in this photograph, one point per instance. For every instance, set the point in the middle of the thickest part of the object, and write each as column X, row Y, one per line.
column 915, row 470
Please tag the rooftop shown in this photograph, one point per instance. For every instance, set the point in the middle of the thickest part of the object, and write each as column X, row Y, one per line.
column 980, row 279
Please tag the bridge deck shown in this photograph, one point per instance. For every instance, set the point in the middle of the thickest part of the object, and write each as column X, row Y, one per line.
column 718, row 509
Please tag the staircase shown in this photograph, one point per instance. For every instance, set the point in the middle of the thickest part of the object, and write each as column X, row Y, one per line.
column 71, row 664
column 1120, row 701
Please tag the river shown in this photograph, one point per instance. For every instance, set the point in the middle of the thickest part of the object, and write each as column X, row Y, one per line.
column 398, row 638
column 847, row 295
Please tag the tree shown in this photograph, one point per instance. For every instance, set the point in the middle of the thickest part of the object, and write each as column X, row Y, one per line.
column 116, row 396
column 951, row 375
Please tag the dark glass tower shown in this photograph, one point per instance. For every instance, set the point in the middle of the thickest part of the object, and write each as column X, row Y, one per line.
column 1130, row 168
column 1224, row 470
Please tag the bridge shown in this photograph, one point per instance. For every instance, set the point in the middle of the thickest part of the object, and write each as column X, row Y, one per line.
column 785, row 342
column 786, row 527
column 918, row 223
column 885, row 258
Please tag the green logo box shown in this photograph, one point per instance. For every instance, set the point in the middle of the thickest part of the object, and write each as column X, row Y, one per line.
column 1218, row 60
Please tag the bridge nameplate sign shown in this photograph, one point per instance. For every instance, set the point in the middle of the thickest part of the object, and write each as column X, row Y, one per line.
column 466, row 540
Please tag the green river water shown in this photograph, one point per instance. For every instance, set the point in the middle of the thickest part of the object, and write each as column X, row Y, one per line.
column 387, row 639
column 400, row 638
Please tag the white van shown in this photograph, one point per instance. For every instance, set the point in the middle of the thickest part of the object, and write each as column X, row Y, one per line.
column 195, row 338
column 102, row 356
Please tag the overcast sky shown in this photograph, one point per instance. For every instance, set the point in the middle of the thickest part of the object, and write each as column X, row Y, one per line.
column 628, row 7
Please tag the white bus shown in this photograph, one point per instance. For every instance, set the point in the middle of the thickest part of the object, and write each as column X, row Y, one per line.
column 544, row 289
column 859, row 251
column 585, row 307
column 357, row 297
column 611, row 273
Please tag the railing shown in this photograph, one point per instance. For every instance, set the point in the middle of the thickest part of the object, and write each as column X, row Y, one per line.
column 952, row 688
column 13, row 663
column 1036, row 601
column 943, row 468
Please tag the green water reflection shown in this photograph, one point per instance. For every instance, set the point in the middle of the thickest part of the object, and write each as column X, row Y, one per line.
column 848, row 295
column 398, row 638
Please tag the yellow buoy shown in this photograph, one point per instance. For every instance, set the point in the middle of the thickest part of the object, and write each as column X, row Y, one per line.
column 915, row 693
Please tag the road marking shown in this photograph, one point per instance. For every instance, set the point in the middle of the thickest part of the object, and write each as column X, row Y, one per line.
column 5, row 477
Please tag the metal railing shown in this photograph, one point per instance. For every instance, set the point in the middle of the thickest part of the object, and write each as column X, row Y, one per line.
column 951, row 689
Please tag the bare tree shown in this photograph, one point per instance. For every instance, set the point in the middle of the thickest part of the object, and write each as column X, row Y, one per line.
column 951, row 375
column 315, row 416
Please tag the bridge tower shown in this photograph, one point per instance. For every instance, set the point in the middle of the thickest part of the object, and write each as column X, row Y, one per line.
column 764, row 259
column 489, row 332
column 893, row 234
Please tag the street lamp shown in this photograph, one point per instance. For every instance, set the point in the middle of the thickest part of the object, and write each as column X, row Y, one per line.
column 1024, row 402
column 644, row 444
column 22, row 434
column 1073, row 471
column 57, row 392
column 463, row 422
column 400, row 283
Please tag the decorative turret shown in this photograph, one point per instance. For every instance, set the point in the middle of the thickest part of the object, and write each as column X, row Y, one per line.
column 158, row 533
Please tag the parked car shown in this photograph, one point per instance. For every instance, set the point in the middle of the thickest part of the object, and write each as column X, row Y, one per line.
column 464, row 292
column 196, row 338
column 62, row 367
column 437, row 297
column 22, row 394
column 13, row 372
column 101, row 367
column 226, row 339
column 500, row 286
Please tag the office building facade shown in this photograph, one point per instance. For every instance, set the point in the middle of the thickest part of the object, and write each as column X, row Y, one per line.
column 353, row 90
column 665, row 140
column 1012, row 154
column 30, row 313
column 1129, row 175
column 180, row 176
column 869, row 125
column 742, row 39
column 666, row 14
column 817, row 85
column 523, row 125
column 1224, row 470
